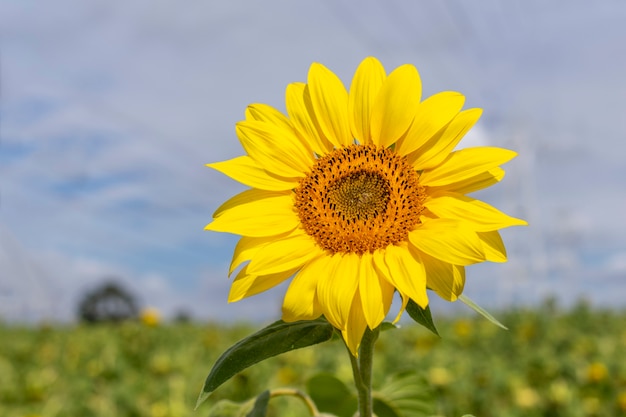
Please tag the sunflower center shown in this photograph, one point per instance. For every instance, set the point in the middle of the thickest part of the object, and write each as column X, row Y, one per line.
column 360, row 195
column 359, row 199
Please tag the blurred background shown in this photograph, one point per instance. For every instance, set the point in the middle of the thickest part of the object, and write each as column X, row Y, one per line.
column 109, row 111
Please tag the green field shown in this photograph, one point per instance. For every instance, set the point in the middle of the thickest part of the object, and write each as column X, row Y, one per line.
column 550, row 363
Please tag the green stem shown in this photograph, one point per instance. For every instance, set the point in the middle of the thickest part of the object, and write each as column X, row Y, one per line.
column 362, row 372
column 356, row 374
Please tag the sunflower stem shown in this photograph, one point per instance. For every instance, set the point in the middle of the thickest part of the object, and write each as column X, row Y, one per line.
column 362, row 372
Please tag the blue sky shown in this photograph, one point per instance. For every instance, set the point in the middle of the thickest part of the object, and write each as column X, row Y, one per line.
column 110, row 110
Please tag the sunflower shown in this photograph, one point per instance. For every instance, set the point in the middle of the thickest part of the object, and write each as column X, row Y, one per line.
column 358, row 194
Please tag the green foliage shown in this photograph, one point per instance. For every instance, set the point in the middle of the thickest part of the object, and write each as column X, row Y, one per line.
column 331, row 395
column 404, row 395
column 421, row 316
column 400, row 395
column 256, row 407
column 549, row 363
column 260, row 405
column 227, row 408
column 279, row 337
column 467, row 301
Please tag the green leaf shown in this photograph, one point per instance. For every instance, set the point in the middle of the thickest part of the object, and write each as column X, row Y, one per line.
column 279, row 337
column 421, row 315
column 481, row 311
column 260, row 405
column 404, row 395
column 331, row 395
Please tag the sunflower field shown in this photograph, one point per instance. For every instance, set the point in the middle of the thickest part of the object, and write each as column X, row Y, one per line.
column 549, row 363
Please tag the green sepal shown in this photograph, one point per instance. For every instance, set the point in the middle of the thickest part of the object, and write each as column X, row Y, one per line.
column 260, row 405
column 463, row 298
column 404, row 395
column 331, row 395
column 421, row 316
column 279, row 337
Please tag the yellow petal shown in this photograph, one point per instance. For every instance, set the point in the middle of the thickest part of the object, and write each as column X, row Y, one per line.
column 432, row 115
column 408, row 273
column 449, row 241
column 376, row 293
column 291, row 252
column 446, row 279
column 396, row 105
column 300, row 111
column 366, row 83
column 493, row 246
column 256, row 213
column 438, row 148
column 384, row 274
column 246, row 248
column 246, row 285
column 246, row 197
column 244, row 170
column 475, row 183
column 478, row 215
column 405, row 301
column 265, row 113
column 330, row 103
column 300, row 301
column 335, row 291
column 466, row 163
column 275, row 149
column 355, row 327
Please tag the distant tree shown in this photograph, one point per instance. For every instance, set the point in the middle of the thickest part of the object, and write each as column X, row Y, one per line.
column 109, row 302
column 182, row 316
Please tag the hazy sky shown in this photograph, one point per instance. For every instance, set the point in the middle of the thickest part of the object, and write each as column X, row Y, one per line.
column 109, row 111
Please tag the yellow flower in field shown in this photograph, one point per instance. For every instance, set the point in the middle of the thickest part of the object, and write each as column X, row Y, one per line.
column 150, row 316
column 359, row 193
column 591, row 406
column 526, row 397
column 159, row 409
column 439, row 377
column 463, row 328
column 560, row 392
column 597, row 372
